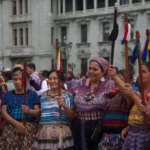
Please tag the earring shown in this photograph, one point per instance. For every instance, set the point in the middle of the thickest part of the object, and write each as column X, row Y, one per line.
column 102, row 79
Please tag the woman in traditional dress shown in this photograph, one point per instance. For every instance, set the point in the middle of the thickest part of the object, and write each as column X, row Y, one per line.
column 90, row 101
column 54, row 132
column 137, row 134
column 15, row 135
column 116, row 118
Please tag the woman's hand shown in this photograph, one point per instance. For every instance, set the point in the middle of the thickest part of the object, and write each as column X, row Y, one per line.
column 129, row 92
column 124, row 132
column 61, row 101
column 25, row 109
column 21, row 128
column 112, row 71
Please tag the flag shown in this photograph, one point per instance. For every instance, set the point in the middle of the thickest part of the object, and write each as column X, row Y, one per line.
column 136, row 53
column 59, row 61
column 145, row 51
column 127, row 33
column 149, row 45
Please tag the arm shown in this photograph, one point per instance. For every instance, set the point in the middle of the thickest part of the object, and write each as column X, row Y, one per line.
column 69, row 112
column 137, row 100
column 124, row 132
column 44, row 87
column 148, row 109
column 20, row 127
column 126, row 89
column 6, row 116
column 118, row 81
column 33, row 112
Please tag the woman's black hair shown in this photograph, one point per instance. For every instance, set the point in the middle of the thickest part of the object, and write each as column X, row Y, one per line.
column 62, row 78
column 16, row 69
column 123, row 73
column 45, row 73
column 147, row 64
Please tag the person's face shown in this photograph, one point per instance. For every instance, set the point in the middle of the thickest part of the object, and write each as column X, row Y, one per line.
column 41, row 77
column 146, row 74
column 17, row 80
column 53, row 80
column 94, row 71
column 78, row 77
column 29, row 71
column 122, row 78
column 68, row 76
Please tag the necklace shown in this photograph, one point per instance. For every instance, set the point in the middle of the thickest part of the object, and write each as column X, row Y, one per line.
column 90, row 95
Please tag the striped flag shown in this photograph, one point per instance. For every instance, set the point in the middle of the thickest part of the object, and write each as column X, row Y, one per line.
column 59, row 62
column 58, row 57
column 145, row 51
column 136, row 52
column 127, row 33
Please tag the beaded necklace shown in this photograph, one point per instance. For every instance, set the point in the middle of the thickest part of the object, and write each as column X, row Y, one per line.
column 90, row 95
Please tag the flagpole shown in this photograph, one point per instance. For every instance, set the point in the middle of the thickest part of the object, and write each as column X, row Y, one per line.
column 141, row 80
column 25, row 88
column 148, row 39
column 113, row 40
column 126, row 45
column 59, row 86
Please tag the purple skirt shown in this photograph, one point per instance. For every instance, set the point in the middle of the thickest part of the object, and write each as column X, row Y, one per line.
column 136, row 139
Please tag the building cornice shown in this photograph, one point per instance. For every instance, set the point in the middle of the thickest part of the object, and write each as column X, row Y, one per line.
column 83, row 44
column 62, row 22
column 104, row 48
column 102, row 14
column 20, row 18
column 83, row 54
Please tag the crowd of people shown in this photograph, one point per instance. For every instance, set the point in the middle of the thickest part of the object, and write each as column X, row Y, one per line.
column 98, row 111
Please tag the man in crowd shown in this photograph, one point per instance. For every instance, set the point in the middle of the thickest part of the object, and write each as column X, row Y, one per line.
column 34, row 79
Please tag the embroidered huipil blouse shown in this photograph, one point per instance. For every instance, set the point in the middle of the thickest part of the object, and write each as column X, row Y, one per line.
column 50, row 109
column 14, row 102
column 98, row 102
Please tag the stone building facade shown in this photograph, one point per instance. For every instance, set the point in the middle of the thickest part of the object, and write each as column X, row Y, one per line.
column 28, row 29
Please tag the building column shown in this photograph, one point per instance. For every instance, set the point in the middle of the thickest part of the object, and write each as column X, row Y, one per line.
column 64, row 7
column 95, row 5
column 84, row 6
column 51, row 6
column 18, row 37
column 143, row 2
column 118, row 2
column 106, row 5
column 29, row 33
column 74, row 7
column 18, row 8
column 23, row 7
column 130, row 2
column 29, row 6
column 58, row 7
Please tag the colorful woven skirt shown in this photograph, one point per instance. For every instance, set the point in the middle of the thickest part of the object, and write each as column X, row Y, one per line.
column 110, row 142
column 53, row 137
column 136, row 139
column 11, row 139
